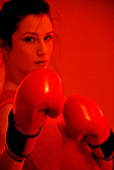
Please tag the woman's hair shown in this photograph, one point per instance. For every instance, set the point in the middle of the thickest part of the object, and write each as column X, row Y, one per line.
column 14, row 11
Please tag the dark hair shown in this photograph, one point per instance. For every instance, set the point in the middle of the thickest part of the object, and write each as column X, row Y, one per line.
column 14, row 11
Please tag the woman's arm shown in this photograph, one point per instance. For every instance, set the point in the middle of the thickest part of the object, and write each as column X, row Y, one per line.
column 104, row 154
column 6, row 162
column 39, row 95
column 106, row 165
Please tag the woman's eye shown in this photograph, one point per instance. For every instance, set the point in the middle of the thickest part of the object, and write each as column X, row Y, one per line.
column 48, row 37
column 29, row 39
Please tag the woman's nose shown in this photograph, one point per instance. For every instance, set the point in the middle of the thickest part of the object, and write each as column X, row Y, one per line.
column 41, row 49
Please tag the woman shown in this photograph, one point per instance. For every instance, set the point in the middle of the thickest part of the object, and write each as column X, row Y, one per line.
column 26, row 41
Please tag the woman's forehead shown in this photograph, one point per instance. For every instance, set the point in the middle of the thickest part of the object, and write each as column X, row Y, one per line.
column 35, row 23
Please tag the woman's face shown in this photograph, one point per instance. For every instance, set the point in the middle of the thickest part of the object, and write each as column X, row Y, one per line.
column 32, row 44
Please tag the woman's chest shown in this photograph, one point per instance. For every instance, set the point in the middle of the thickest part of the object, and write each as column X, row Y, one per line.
column 77, row 156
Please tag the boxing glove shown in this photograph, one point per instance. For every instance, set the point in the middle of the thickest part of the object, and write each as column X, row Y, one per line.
column 40, row 94
column 85, row 121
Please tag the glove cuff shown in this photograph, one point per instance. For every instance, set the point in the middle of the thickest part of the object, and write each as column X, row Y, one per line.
column 107, row 148
column 18, row 145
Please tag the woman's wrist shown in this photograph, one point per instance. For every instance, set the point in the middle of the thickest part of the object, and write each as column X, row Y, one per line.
column 7, row 163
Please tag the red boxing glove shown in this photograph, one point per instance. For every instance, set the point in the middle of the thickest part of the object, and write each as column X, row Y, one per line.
column 40, row 94
column 85, row 120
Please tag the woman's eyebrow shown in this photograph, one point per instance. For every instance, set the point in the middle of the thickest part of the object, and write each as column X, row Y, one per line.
column 34, row 33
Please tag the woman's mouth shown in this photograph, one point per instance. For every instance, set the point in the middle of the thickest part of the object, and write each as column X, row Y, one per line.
column 41, row 63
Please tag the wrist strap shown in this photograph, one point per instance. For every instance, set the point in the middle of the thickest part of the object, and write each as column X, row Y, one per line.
column 107, row 147
column 16, row 141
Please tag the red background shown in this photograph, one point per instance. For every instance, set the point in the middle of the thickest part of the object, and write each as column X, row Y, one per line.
column 85, row 54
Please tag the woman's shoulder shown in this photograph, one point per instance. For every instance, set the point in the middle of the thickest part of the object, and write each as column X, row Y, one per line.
column 6, row 97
